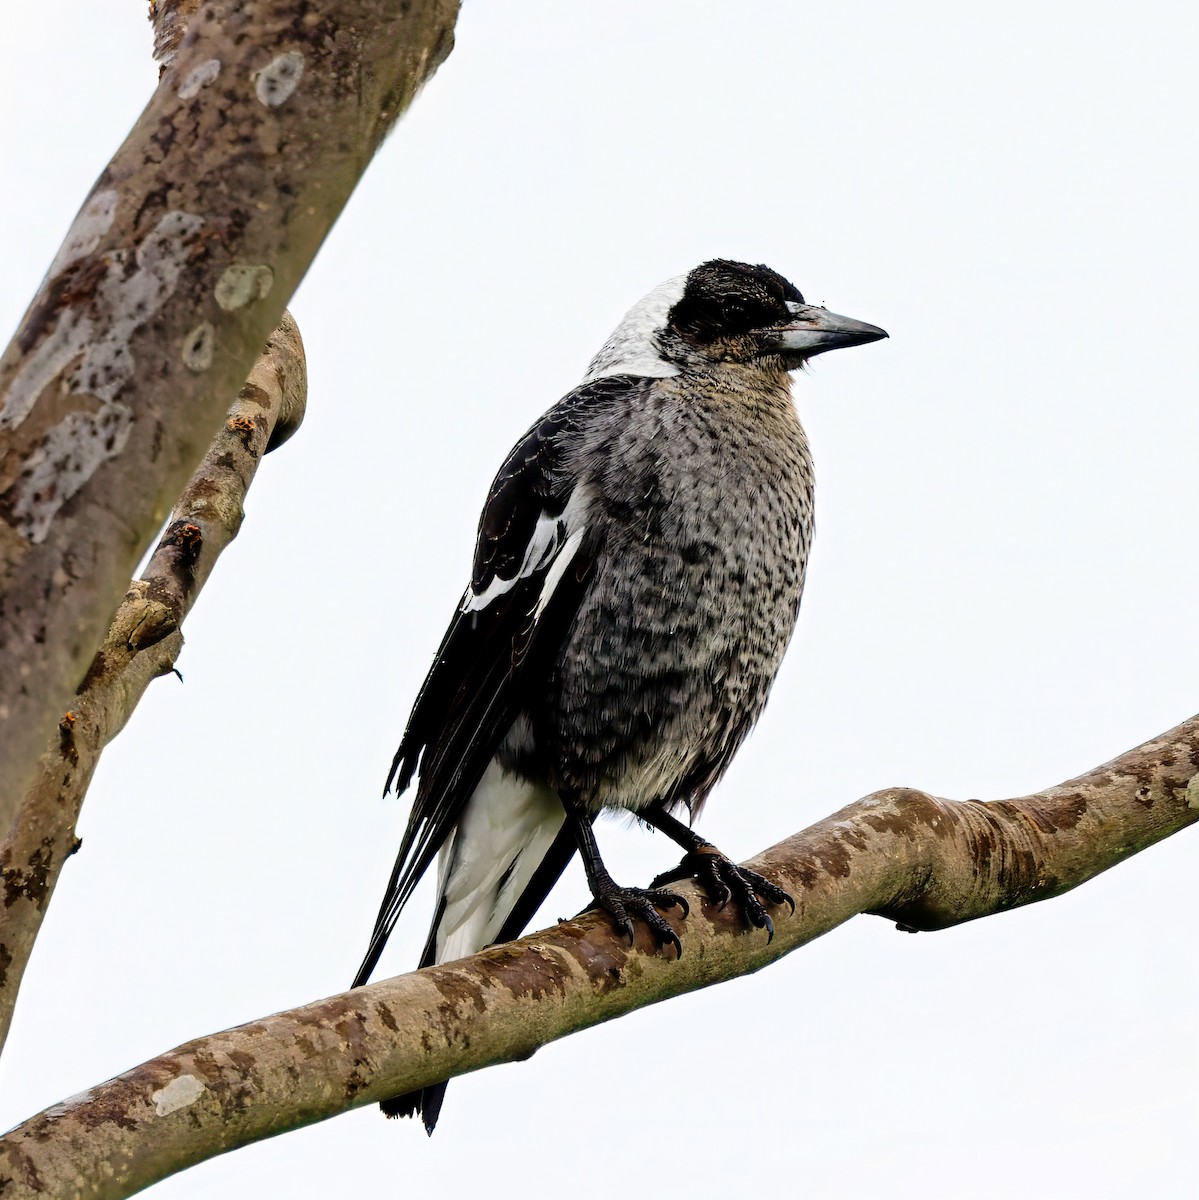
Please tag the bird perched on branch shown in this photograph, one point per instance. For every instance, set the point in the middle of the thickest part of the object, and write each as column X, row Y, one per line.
column 636, row 581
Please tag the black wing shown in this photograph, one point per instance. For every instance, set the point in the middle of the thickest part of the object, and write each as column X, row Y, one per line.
column 501, row 643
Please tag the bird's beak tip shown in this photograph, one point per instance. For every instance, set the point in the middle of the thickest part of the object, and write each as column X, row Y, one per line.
column 820, row 330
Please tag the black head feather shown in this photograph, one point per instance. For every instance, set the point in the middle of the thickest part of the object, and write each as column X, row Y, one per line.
column 723, row 299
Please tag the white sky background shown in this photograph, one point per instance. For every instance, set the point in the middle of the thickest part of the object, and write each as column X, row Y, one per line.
column 1002, row 593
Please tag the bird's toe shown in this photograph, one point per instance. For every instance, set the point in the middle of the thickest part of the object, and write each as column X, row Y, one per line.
column 723, row 880
column 761, row 886
column 623, row 904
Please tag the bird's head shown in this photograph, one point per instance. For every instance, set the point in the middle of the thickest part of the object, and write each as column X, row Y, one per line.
column 725, row 312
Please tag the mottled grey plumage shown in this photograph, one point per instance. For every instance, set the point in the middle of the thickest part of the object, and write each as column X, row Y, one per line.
column 636, row 581
column 701, row 487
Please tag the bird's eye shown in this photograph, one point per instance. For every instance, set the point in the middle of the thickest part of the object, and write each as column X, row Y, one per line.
column 734, row 312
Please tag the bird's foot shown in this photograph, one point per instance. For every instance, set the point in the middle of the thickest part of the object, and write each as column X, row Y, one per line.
column 724, row 880
column 623, row 904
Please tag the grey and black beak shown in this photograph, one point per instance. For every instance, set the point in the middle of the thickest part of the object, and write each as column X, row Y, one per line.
column 814, row 330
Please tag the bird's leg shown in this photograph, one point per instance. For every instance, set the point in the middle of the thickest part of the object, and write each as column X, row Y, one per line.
column 622, row 903
column 719, row 876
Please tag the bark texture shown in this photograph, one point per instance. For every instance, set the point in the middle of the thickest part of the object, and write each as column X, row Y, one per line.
column 142, row 643
column 170, row 19
column 169, row 282
column 924, row 862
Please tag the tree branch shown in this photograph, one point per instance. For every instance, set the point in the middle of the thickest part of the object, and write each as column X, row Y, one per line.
column 903, row 854
column 142, row 643
column 169, row 282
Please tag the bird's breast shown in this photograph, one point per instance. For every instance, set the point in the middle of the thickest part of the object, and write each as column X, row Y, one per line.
column 705, row 520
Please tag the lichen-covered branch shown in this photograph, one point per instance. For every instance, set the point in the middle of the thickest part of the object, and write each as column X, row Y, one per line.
column 142, row 643
column 173, row 275
column 925, row 862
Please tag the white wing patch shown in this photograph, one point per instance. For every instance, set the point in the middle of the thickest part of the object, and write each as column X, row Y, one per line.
column 554, row 542
column 543, row 545
column 558, row 569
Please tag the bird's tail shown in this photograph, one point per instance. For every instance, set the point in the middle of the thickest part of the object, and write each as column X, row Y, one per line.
column 424, row 1102
column 506, row 852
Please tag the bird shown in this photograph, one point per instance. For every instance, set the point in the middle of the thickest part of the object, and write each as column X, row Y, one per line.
column 636, row 580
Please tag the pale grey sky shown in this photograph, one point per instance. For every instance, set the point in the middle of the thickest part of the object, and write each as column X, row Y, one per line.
column 1002, row 593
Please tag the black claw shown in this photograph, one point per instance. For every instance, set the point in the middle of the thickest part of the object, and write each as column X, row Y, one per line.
column 720, row 891
column 622, row 904
column 723, row 880
column 659, row 926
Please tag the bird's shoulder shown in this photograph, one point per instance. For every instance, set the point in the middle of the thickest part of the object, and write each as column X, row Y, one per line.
column 541, row 473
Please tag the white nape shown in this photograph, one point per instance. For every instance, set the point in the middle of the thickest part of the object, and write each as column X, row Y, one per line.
column 633, row 347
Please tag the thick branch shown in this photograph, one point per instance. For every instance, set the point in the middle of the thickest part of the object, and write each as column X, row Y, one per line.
column 926, row 862
column 142, row 644
column 169, row 282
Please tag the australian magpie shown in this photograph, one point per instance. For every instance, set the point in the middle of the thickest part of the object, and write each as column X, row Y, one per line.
column 636, row 580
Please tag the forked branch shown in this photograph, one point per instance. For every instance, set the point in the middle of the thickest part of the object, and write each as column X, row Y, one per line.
column 173, row 275
column 142, row 643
